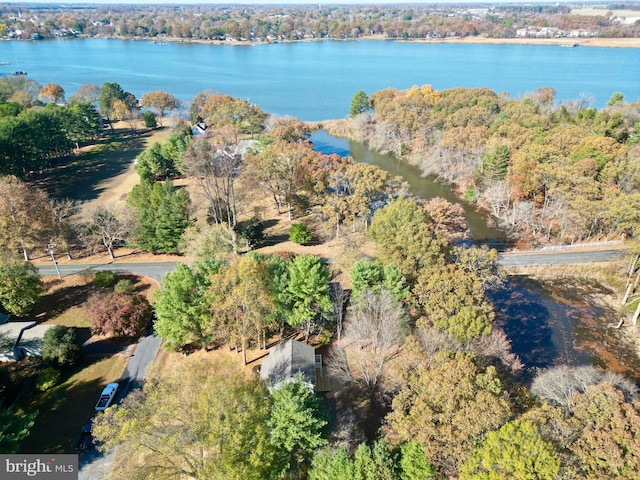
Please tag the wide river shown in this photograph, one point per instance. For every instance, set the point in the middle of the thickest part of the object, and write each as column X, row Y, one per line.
column 548, row 325
column 316, row 80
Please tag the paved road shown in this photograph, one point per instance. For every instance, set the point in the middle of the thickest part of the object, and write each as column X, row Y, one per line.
column 532, row 258
column 154, row 270
column 558, row 257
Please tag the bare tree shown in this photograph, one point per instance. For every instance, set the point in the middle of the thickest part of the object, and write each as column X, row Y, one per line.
column 61, row 210
column 107, row 225
column 372, row 337
column 213, row 164
column 559, row 384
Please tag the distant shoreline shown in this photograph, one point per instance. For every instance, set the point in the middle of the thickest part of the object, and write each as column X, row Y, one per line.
column 564, row 42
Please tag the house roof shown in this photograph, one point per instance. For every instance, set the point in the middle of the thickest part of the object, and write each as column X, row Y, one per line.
column 31, row 341
column 287, row 359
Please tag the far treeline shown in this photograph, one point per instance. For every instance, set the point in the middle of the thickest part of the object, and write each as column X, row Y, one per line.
column 270, row 23
column 565, row 171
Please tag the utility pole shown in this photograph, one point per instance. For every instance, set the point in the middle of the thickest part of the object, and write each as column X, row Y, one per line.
column 53, row 258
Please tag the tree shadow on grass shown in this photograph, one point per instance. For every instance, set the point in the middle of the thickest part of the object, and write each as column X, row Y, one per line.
column 63, row 411
column 61, row 300
column 80, row 177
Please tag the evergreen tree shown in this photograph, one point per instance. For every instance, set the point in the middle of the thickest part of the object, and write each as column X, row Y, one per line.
column 359, row 104
column 162, row 216
column 295, row 424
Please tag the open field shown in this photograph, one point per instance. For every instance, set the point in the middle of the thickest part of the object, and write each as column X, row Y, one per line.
column 97, row 172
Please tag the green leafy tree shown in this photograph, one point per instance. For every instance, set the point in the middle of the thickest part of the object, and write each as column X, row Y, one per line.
column 515, row 451
column 360, row 103
column 300, row 233
column 20, row 287
column 181, row 310
column 413, row 462
column 14, row 428
column 295, row 425
column 202, row 420
column 308, row 290
column 377, row 463
column 331, row 464
column 109, row 93
column 153, row 165
column 405, row 237
column 367, row 274
column 60, row 346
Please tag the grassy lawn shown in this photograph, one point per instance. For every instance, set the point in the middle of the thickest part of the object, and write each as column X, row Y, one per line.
column 83, row 178
column 64, row 409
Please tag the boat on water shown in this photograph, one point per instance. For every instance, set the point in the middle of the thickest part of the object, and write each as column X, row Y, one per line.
column 5, row 63
column 19, row 72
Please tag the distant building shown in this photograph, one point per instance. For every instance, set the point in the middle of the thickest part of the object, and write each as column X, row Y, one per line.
column 199, row 129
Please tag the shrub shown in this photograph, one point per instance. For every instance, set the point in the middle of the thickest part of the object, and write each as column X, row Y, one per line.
column 105, row 279
column 60, row 346
column 47, row 379
column 118, row 314
column 149, row 119
column 123, row 286
column 253, row 232
column 300, row 233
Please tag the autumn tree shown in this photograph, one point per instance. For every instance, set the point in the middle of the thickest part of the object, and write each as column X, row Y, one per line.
column 204, row 241
column 20, row 286
column 452, row 300
column 118, row 314
column 201, row 420
column 25, row 214
column 372, row 337
column 52, row 92
column 275, row 166
column 87, row 92
column 160, row 102
column 180, row 307
column 447, row 408
column 241, row 301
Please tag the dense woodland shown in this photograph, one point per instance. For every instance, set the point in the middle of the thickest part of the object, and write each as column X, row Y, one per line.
column 546, row 170
column 278, row 23
column 432, row 389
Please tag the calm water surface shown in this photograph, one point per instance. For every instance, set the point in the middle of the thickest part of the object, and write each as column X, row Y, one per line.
column 316, row 80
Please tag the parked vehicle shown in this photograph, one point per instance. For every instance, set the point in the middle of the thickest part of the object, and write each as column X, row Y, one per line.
column 86, row 438
column 106, row 397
